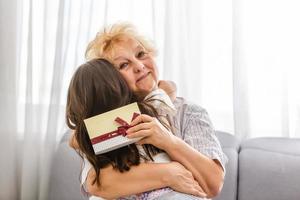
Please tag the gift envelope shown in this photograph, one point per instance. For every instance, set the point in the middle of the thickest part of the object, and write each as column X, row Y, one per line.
column 107, row 131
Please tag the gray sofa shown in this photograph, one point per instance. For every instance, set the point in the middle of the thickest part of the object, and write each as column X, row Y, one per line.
column 260, row 169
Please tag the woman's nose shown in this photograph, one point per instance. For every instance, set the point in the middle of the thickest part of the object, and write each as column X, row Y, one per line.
column 138, row 66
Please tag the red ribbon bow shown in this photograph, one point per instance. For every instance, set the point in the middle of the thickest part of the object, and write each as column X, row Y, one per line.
column 120, row 131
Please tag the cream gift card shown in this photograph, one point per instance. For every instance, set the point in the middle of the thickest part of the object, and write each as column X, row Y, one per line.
column 107, row 131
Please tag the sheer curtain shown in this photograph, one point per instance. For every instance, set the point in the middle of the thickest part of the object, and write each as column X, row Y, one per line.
column 266, row 66
column 8, row 99
column 238, row 59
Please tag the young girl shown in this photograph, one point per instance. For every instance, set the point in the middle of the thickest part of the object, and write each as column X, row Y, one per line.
column 97, row 87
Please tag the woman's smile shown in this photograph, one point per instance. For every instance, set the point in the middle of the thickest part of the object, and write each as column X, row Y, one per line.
column 143, row 77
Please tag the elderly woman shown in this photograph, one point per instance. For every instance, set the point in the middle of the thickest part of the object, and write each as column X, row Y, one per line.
column 193, row 142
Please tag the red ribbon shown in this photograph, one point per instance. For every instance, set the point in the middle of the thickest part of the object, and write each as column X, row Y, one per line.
column 120, row 131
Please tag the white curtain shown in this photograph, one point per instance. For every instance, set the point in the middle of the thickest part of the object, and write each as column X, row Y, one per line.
column 238, row 59
column 8, row 99
column 266, row 66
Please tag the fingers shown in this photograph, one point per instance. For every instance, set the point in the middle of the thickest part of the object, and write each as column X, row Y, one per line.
column 199, row 191
column 195, row 189
column 141, row 118
column 141, row 133
column 142, row 126
column 140, row 129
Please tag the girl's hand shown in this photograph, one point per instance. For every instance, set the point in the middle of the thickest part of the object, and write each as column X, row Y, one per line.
column 72, row 141
column 151, row 131
column 182, row 180
column 169, row 87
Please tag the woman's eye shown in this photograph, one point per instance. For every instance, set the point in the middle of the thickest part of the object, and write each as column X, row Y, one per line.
column 123, row 65
column 141, row 54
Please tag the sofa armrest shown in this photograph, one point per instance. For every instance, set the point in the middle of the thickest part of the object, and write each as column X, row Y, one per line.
column 230, row 145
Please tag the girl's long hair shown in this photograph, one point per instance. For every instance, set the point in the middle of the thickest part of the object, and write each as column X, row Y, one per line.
column 95, row 88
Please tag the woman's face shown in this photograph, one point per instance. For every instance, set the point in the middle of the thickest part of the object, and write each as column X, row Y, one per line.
column 136, row 65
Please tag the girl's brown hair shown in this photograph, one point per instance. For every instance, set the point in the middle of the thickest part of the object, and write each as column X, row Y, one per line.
column 95, row 88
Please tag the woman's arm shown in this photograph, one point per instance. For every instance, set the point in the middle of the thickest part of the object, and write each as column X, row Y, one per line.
column 208, row 172
column 141, row 178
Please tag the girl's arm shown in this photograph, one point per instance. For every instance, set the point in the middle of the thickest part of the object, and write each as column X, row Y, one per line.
column 141, row 178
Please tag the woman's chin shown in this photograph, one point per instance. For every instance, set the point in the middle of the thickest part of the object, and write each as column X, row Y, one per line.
column 147, row 88
column 143, row 92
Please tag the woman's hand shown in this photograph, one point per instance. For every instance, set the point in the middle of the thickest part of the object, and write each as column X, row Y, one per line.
column 151, row 131
column 182, row 180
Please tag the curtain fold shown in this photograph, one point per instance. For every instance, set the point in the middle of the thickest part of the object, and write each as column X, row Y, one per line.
column 8, row 98
column 239, row 76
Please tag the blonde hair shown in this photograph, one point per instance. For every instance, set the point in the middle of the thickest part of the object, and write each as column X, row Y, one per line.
column 103, row 44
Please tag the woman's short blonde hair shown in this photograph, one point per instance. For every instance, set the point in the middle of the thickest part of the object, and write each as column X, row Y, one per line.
column 103, row 44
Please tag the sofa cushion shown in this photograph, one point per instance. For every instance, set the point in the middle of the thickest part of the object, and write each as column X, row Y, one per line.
column 269, row 169
column 230, row 145
column 65, row 172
